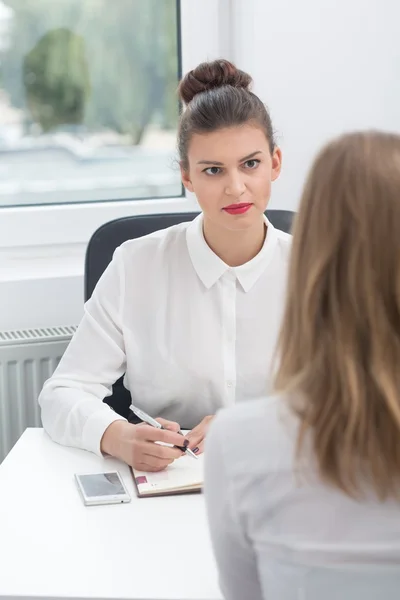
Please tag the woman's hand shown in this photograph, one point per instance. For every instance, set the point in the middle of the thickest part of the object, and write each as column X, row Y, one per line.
column 135, row 444
column 197, row 436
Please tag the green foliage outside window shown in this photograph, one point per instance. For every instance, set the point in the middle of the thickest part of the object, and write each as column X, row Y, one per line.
column 102, row 64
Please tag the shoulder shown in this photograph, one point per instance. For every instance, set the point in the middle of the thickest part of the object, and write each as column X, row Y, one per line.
column 160, row 242
column 285, row 239
column 280, row 242
column 284, row 242
column 261, row 433
column 158, row 239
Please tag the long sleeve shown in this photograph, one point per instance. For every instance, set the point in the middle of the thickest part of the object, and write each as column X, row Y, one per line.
column 235, row 557
column 73, row 411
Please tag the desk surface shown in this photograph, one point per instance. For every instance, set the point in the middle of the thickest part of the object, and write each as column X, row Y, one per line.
column 52, row 546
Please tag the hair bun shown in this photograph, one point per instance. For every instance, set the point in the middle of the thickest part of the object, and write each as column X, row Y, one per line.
column 210, row 75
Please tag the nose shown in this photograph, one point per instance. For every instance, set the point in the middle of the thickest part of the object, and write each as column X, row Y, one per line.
column 235, row 186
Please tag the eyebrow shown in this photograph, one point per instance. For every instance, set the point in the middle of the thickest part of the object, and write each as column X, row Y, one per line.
column 220, row 164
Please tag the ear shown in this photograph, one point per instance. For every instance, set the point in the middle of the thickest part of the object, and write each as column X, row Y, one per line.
column 276, row 163
column 185, row 176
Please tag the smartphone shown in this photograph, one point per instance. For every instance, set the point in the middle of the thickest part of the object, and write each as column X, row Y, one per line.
column 102, row 488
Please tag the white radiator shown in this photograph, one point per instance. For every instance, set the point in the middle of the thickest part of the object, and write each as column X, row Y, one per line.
column 27, row 358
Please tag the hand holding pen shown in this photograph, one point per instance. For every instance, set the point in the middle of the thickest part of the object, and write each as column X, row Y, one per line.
column 153, row 423
column 135, row 444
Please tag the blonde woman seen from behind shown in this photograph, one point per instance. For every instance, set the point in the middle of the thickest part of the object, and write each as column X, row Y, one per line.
column 309, row 506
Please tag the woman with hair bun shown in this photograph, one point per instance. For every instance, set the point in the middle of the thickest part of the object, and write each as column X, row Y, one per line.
column 190, row 314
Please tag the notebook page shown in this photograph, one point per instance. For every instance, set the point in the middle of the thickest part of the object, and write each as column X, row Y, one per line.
column 183, row 473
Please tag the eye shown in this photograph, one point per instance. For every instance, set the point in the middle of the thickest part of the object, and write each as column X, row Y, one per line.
column 252, row 163
column 212, row 171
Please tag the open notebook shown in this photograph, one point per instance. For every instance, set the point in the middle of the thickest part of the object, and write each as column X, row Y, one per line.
column 184, row 476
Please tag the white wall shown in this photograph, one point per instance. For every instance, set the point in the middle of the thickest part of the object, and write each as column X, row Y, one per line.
column 41, row 302
column 323, row 67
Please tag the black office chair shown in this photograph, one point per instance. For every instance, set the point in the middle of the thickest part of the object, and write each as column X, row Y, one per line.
column 111, row 235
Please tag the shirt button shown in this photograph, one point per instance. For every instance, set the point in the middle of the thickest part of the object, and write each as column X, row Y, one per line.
column 229, row 384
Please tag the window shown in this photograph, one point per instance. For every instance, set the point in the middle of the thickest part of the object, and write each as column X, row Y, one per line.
column 32, row 232
column 88, row 104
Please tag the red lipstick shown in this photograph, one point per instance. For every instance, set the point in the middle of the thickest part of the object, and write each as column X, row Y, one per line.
column 238, row 209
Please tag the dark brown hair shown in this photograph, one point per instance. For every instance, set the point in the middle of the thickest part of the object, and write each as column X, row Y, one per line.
column 339, row 349
column 218, row 95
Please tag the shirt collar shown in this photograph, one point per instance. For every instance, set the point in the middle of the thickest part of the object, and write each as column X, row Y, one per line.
column 210, row 268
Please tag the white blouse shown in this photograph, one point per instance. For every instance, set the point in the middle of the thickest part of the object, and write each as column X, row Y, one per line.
column 192, row 334
column 278, row 532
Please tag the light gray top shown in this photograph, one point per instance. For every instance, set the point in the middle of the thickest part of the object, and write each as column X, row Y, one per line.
column 279, row 534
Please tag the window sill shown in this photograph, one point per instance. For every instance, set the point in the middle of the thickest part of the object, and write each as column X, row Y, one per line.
column 70, row 224
column 42, row 262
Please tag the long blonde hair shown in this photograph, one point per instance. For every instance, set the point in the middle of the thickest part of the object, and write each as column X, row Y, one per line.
column 339, row 347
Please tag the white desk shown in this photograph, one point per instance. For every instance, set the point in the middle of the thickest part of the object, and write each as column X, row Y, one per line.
column 52, row 546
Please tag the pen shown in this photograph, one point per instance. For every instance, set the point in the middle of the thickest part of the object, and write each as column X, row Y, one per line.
column 153, row 423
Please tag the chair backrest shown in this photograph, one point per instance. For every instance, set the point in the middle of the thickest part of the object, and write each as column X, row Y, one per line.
column 109, row 236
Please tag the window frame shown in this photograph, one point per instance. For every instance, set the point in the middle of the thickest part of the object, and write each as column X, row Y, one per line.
column 205, row 33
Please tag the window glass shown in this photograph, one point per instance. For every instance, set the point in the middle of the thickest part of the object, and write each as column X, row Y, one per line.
column 88, row 103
